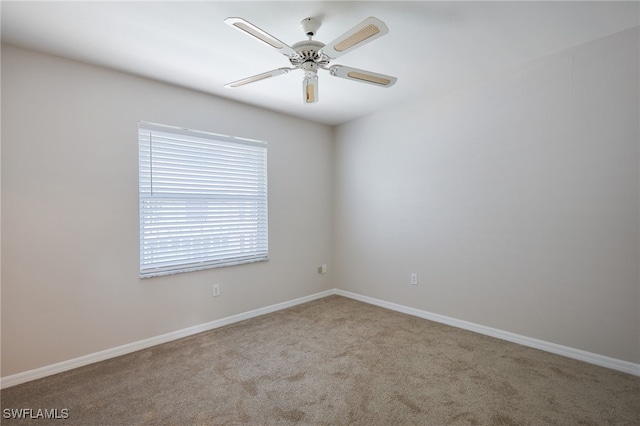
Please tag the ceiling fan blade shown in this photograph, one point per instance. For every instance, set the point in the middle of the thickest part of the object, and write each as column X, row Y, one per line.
column 250, row 29
column 272, row 73
column 366, row 31
column 362, row 76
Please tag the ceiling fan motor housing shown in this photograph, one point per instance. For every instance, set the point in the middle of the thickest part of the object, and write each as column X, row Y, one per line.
column 308, row 52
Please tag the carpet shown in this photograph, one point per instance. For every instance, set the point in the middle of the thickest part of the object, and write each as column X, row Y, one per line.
column 333, row 361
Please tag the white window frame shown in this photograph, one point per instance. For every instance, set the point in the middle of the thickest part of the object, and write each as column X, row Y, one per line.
column 203, row 200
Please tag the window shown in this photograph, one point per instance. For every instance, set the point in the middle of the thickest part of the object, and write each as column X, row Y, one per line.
column 203, row 200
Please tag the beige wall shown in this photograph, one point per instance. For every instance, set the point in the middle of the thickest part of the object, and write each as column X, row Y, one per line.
column 70, row 283
column 516, row 201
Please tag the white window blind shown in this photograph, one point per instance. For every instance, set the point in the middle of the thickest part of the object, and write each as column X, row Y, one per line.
column 203, row 200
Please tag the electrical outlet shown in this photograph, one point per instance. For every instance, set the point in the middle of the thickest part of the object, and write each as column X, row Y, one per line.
column 414, row 279
column 322, row 269
column 216, row 290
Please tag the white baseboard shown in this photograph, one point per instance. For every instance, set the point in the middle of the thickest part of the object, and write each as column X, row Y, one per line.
column 38, row 373
column 601, row 360
column 60, row 367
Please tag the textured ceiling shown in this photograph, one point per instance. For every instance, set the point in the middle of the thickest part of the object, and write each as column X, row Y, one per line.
column 432, row 47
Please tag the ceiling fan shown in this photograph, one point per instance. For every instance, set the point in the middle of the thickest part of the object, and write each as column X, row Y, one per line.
column 311, row 56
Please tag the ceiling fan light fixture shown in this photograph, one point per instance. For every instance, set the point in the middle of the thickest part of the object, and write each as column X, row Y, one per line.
column 310, row 89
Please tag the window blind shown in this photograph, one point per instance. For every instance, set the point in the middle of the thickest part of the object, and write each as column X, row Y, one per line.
column 203, row 200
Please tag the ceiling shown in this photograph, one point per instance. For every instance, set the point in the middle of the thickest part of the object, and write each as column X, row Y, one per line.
column 432, row 47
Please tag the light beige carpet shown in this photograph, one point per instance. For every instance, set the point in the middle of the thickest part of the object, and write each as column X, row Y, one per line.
column 335, row 361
